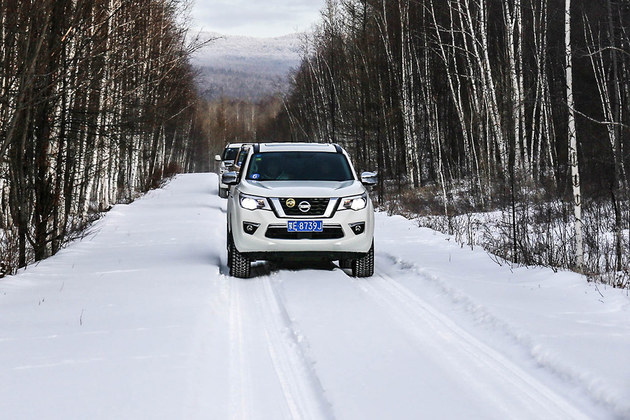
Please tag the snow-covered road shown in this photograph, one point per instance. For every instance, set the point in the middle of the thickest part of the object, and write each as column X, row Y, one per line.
column 139, row 320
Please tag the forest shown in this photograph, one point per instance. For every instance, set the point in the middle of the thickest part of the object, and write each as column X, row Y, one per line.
column 97, row 105
column 476, row 113
column 503, row 123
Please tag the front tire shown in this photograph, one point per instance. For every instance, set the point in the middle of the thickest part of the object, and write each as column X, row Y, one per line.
column 240, row 265
column 364, row 266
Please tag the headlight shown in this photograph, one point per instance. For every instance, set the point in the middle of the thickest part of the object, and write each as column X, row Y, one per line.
column 357, row 202
column 251, row 202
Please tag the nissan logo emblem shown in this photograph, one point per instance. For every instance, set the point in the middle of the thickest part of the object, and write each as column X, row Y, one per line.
column 304, row 206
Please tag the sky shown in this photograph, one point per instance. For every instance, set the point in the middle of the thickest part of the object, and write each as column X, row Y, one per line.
column 256, row 18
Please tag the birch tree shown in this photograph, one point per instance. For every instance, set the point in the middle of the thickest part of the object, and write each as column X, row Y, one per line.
column 572, row 140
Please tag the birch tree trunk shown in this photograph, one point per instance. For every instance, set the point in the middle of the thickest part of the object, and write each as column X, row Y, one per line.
column 572, row 141
column 541, row 131
column 407, row 88
column 514, row 30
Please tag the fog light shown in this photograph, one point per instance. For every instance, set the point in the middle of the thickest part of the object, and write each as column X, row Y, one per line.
column 250, row 227
column 358, row 228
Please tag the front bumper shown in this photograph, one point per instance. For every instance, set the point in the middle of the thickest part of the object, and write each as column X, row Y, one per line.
column 272, row 241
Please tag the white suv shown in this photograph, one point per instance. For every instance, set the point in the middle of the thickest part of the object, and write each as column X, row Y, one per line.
column 299, row 201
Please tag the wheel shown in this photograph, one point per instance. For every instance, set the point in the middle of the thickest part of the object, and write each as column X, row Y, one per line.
column 240, row 265
column 364, row 266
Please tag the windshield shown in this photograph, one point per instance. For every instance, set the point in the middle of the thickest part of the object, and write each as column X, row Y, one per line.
column 299, row 166
column 230, row 153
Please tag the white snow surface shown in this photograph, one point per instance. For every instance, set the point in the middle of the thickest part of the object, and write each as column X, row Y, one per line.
column 139, row 320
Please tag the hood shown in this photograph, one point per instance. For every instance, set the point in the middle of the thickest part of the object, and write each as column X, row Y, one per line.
column 302, row 189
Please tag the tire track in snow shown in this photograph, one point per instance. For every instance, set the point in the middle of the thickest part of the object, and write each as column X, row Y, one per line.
column 240, row 381
column 257, row 302
column 552, row 361
column 302, row 389
column 473, row 359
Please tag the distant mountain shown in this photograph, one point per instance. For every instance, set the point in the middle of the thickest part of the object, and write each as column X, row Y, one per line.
column 246, row 67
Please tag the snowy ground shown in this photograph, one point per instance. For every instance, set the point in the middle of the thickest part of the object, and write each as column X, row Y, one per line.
column 140, row 321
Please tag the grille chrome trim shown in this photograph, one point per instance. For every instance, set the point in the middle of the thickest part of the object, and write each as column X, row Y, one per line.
column 320, row 209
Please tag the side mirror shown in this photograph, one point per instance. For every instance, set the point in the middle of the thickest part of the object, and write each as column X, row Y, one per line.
column 229, row 178
column 369, row 178
column 218, row 158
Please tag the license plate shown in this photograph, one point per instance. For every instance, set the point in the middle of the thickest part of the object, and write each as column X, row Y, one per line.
column 305, row 226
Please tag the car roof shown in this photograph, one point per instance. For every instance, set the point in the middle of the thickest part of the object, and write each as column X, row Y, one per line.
column 233, row 145
column 298, row 147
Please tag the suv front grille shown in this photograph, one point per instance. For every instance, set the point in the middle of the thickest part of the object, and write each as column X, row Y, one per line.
column 280, row 232
column 317, row 206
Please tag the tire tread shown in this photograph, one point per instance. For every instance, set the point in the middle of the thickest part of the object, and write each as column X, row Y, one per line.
column 240, row 265
column 364, row 266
